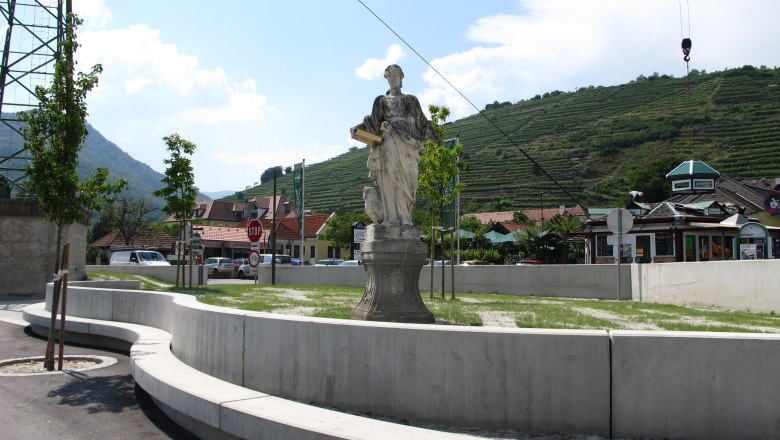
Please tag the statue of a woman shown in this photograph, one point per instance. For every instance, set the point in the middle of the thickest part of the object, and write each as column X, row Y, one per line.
column 392, row 163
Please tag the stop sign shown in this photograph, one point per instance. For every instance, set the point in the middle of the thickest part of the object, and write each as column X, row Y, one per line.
column 254, row 230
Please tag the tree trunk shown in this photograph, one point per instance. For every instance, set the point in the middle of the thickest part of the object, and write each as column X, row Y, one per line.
column 64, row 289
column 48, row 360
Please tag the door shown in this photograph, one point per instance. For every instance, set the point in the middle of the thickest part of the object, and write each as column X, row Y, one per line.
column 644, row 252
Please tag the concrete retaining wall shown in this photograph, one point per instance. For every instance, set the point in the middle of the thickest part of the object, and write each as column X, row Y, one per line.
column 27, row 248
column 657, row 384
column 695, row 385
column 738, row 285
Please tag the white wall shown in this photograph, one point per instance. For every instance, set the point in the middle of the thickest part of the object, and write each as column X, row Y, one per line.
column 741, row 285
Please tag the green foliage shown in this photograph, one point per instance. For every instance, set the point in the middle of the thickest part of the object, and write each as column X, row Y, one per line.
column 178, row 189
column 339, row 229
column 485, row 255
column 547, row 240
column 439, row 166
column 520, row 218
column 269, row 174
column 54, row 134
column 650, row 179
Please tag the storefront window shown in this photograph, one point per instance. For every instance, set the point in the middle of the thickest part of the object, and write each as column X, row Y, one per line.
column 664, row 245
column 602, row 248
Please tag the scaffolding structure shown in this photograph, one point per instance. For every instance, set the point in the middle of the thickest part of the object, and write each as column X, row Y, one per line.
column 34, row 30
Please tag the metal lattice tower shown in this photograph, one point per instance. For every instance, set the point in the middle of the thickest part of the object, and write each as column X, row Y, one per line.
column 33, row 31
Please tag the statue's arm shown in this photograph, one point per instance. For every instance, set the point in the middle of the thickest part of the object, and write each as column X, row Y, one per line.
column 373, row 122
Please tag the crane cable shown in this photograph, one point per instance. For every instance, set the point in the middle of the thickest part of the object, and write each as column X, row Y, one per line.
column 686, row 41
column 686, row 46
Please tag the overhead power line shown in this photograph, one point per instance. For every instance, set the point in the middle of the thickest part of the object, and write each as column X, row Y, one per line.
column 490, row 121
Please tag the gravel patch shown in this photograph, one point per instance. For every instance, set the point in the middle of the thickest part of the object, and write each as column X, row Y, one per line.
column 497, row 319
column 623, row 322
column 33, row 366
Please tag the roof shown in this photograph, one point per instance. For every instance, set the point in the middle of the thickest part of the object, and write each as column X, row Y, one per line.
column 534, row 215
column 145, row 239
column 287, row 227
column 508, row 228
column 691, row 168
column 728, row 191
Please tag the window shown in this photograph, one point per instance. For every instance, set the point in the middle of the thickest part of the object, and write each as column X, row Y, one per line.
column 602, row 248
column 664, row 245
column 703, row 184
column 704, row 248
column 681, row 184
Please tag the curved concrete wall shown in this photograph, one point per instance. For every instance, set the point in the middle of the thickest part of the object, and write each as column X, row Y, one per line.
column 621, row 383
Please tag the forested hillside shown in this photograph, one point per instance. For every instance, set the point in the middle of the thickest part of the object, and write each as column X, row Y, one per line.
column 593, row 142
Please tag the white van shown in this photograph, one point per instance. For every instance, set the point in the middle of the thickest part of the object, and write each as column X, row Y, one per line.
column 138, row 257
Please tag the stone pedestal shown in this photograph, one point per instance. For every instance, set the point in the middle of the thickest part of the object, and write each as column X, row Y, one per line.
column 393, row 257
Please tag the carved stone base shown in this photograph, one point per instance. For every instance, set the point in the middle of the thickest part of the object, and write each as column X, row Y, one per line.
column 393, row 257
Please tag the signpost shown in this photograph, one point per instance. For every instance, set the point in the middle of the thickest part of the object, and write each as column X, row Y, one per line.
column 254, row 231
column 619, row 221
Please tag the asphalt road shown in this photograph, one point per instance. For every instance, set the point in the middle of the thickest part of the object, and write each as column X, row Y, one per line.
column 104, row 403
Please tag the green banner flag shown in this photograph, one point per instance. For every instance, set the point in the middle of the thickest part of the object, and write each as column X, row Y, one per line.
column 298, row 187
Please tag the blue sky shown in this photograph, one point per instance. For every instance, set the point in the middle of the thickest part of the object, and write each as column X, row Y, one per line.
column 258, row 83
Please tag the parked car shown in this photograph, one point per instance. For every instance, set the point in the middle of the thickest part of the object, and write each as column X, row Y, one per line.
column 351, row 263
column 237, row 262
column 218, row 264
column 138, row 257
column 528, row 262
column 297, row 262
column 439, row 263
column 244, row 271
column 265, row 259
column 329, row 262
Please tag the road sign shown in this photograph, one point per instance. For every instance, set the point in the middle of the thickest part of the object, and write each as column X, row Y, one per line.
column 620, row 221
column 254, row 258
column 254, row 230
column 196, row 239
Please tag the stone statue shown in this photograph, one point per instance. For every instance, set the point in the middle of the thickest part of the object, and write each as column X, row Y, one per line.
column 400, row 130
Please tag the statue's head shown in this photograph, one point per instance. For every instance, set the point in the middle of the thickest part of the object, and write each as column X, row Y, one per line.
column 395, row 68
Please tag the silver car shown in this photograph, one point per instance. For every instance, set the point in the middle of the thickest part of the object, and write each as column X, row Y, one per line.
column 218, row 264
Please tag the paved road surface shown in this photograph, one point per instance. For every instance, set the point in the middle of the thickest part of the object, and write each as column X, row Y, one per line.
column 103, row 403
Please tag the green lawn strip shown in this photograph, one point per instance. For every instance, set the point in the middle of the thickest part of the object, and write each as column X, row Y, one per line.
column 473, row 309
column 147, row 282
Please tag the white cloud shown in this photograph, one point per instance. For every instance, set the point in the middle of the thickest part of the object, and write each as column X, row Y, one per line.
column 95, row 13
column 550, row 45
column 243, row 105
column 375, row 67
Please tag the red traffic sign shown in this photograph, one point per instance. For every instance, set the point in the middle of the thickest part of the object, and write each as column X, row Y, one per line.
column 254, row 258
column 254, row 230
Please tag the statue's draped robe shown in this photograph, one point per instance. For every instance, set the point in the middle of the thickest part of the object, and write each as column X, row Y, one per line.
column 393, row 164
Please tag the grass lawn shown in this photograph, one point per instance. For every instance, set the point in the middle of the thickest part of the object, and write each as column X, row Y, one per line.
column 478, row 309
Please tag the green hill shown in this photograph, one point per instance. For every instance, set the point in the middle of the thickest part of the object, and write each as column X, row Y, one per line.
column 589, row 141
column 98, row 151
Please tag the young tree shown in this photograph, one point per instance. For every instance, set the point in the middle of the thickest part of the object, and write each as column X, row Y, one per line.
column 54, row 134
column 438, row 171
column 179, row 189
column 439, row 166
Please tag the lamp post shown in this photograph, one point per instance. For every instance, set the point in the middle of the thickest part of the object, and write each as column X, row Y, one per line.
column 541, row 208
